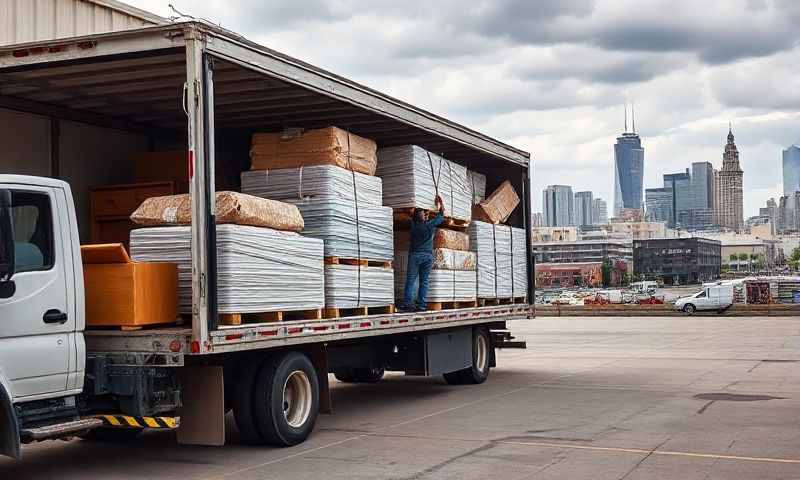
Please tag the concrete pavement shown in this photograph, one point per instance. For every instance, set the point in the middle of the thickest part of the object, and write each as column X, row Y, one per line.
column 599, row 398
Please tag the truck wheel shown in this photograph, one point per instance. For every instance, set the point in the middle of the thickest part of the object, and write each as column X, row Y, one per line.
column 689, row 309
column 359, row 375
column 286, row 401
column 242, row 403
column 479, row 371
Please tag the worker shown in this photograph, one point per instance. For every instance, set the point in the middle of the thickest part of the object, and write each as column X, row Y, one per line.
column 420, row 257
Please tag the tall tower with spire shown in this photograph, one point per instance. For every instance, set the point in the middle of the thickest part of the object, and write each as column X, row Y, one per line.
column 628, row 169
column 728, row 191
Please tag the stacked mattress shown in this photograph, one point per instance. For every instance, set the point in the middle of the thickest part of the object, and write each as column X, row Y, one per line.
column 339, row 206
column 317, row 182
column 259, row 269
column 519, row 263
column 350, row 286
column 412, row 177
column 493, row 246
column 344, row 209
column 478, row 184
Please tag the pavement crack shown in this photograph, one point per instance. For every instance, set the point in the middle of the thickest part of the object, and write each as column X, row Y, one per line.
column 755, row 366
column 705, row 407
column 649, row 454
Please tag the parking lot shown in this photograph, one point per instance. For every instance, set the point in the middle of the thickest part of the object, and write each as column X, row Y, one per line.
column 599, row 398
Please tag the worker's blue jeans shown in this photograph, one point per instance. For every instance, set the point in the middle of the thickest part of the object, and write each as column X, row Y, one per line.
column 419, row 269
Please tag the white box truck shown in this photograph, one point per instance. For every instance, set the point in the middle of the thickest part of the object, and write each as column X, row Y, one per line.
column 74, row 110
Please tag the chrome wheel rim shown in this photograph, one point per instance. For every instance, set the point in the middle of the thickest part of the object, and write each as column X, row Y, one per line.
column 297, row 398
column 482, row 354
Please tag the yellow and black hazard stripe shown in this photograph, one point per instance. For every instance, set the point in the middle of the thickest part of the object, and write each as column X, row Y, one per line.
column 126, row 421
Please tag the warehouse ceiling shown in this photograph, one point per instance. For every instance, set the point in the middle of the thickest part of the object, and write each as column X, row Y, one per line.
column 144, row 93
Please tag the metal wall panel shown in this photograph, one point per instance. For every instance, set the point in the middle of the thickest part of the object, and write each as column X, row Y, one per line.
column 33, row 20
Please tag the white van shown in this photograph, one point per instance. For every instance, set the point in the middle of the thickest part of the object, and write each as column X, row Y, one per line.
column 713, row 297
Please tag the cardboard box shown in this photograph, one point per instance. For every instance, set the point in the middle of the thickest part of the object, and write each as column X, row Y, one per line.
column 124, row 293
column 498, row 207
column 326, row 146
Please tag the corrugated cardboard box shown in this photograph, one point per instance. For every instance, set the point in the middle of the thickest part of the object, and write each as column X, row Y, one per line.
column 124, row 293
column 326, row 146
column 499, row 206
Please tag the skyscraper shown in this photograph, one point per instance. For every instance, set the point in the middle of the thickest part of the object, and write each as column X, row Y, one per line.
column 791, row 169
column 658, row 204
column 583, row 209
column 702, row 211
column 628, row 169
column 600, row 212
column 682, row 199
column 728, row 194
column 558, row 205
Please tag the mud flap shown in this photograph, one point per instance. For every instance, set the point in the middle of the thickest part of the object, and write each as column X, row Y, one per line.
column 203, row 412
column 9, row 428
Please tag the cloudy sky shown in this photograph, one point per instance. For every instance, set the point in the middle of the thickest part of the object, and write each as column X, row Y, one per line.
column 551, row 76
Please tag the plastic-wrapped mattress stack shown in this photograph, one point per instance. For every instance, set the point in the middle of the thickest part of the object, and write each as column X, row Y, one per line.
column 258, row 269
column 351, row 286
column 342, row 208
column 492, row 244
column 519, row 263
column 412, row 176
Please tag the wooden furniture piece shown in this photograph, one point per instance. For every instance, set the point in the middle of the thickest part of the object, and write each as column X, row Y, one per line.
column 112, row 205
column 127, row 294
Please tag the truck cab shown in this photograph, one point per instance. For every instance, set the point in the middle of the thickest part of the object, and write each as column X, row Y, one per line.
column 42, row 348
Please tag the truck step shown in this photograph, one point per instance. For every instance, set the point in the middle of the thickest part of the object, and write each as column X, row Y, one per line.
column 59, row 430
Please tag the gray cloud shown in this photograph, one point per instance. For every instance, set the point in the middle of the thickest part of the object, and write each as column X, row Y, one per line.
column 550, row 76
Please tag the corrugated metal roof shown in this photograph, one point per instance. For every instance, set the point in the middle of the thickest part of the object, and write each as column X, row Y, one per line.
column 34, row 20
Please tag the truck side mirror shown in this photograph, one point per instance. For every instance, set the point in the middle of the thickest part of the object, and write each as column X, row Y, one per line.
column 7, row 250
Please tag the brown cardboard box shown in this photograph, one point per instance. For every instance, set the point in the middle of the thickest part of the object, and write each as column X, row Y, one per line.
column 451, row 239
column 120, row 292
column 443, row 238
column 499, row 206
column 326, row 146
column 231, row 207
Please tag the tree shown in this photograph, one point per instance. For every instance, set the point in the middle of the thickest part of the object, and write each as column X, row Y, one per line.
column 733, row 257
column 794, row 259
column 606, row 271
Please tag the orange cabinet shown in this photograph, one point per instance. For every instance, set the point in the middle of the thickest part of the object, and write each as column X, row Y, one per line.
column 124, row 293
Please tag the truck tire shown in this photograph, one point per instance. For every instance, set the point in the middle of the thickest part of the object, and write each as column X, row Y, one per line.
column 689, row 309
column 242, row 403
column 286, row 401
column 359, row 375
column 481, row 353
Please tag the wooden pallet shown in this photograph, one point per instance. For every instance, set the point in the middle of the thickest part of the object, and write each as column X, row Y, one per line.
column 403, row 216
column 436, row 306
column 359, row 262
column 491, row 302
column 266, row 317
column 357, row 311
